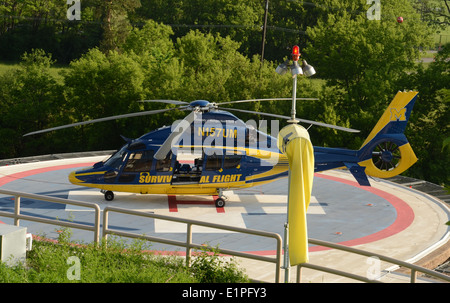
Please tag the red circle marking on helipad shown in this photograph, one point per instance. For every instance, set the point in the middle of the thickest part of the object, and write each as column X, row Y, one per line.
column 9, row 178
column 405, row 214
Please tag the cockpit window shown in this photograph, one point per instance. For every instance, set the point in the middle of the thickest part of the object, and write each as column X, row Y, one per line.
column 139, row 161
column 116, row 159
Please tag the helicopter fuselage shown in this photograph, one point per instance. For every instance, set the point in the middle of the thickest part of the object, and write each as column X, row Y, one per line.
column 219, row 152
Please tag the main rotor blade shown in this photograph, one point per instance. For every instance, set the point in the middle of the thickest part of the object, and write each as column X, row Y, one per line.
column 175, row 135
column 350, row 130
column 167, row 101
column 272, row 99
column 150, row 112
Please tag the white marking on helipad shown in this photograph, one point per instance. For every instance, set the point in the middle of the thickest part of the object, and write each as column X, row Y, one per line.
column 124, row 200
column 237, row 206
column 204, row 214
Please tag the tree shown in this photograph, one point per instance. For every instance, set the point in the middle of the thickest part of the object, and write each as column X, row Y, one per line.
column 429, row 125
column 366, row 57
column 115, row 23
column 151, row 38
column 28, row 102
column 435, row 13
column 99, row 85
column 43, row 24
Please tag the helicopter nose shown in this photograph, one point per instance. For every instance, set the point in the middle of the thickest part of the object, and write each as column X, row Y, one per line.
column 73, row 179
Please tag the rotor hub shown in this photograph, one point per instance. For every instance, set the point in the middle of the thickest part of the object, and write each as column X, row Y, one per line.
column 387, row 156
column 199, row 103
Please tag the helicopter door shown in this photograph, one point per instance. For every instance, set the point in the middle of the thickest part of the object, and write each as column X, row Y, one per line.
column 188, row 167
column 164, row 169
column 136, row 163
column 233, row 167
column 223, row 168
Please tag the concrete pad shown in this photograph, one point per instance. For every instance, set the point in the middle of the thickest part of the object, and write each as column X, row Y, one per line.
column 385, row 218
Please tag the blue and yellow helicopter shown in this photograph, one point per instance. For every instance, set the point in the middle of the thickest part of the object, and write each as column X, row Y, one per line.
column 212, row 150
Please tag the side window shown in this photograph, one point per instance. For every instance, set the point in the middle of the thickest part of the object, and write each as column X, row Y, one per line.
column 231, row 161
column 139, row 161
column 164, row 165
column 213, row 163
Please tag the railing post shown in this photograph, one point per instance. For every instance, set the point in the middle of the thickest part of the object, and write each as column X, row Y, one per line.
column 299, row 273
column 278, row 264
column 16, row 210
column 413, row 276
column 97, row 225
column 105, row 225
column 188, row 244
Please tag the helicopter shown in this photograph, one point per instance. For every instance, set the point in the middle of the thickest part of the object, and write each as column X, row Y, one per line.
column 212, row 150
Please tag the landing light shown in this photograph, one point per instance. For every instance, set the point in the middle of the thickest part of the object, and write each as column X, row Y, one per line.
column 283, row 67
column 308, row 70
column 295, row 68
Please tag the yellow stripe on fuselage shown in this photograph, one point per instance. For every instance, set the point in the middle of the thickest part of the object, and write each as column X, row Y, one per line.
column 278, row 160
column 277, row 169
column 91, row 173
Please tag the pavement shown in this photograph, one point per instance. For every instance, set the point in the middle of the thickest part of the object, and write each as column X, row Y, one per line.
column 387, row 218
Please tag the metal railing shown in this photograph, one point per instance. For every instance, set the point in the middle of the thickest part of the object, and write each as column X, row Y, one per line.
column 188, row 243
column 17, row 215
column 95, row 228
column 414, row 268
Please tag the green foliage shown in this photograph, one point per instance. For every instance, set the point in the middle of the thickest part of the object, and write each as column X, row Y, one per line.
column 99, row 85
column 28, row 100
column 434, row 123
column 212, row 268
column 209, row 64
column 436, row 13
column 25, row 25
column 152, row 38
column 240, row 20
column 429, row 127
column 366, row 57
column 124, row 51
column 116, row 262
column 115, row 23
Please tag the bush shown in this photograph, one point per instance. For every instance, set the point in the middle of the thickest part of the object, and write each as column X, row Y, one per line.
column 53, row 262
column 211, row 268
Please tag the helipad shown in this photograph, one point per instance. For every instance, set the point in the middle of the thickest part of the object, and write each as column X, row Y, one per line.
column 385, row 218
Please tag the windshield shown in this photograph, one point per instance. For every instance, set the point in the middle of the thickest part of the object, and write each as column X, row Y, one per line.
column 116, row 159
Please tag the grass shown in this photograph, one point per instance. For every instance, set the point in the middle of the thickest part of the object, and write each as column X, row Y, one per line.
column 66, row 262
column 55, row 70
column 5, row 67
